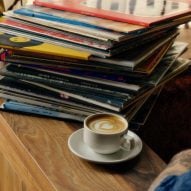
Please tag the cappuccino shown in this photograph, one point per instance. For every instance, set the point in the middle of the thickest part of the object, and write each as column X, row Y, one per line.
column 103, row 132
column 106, row 124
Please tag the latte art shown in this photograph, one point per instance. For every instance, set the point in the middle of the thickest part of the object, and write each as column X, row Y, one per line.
column 106, row 124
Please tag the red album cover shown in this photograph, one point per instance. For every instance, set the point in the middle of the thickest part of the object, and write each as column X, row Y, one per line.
column 37, row 30
column 140, row 12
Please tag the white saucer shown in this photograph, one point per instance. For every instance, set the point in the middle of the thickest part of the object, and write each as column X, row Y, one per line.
column 80, row 149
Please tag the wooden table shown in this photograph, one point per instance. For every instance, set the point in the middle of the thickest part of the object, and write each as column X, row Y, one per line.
column 34, row 156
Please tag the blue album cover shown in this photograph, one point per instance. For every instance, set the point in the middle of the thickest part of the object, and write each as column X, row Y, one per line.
column 32, row 109
column 41, row 15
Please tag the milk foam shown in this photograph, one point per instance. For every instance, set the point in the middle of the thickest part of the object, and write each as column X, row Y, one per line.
column 106, row 124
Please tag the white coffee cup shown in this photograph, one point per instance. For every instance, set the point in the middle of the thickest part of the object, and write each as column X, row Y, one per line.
column 104, row 132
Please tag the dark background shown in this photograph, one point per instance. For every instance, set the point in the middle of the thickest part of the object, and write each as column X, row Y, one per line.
column 168, row 127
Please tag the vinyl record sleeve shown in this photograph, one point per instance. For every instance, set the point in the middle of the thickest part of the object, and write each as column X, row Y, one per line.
column 76, row 19
column 140, row 12
column 17, row 42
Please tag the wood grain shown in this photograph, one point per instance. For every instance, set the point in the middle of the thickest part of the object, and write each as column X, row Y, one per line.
column 46, row 141
column 9, row 180
column 21, row 160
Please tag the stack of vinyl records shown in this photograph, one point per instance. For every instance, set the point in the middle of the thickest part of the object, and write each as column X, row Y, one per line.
column 70, row 59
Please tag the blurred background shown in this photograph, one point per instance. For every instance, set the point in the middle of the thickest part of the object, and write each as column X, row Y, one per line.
column 12, row 4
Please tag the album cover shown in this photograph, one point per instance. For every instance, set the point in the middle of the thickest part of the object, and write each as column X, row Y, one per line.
column 168, row 50
column 77, row 19
column 24, row 108
column 42, row 100
column 104, row 101
column 163, row 68
column 17, row 42
column 179, row 66
column 117, row 52
column 27, row 105
column 96, row 33
column 69, row 65
column 148, row 65
column 131, row 110
column 93, row 32
column 140, row 12
column 51, row 106
column 58, row 45
column 27, row 94
column 52, row 34
column 35, row 75
column 144, row 68
column 143, row 113
column 134, row 56
column 48, row 75
column 85, row 31
column 76, row 109
column 107, row 30
column 135, row 113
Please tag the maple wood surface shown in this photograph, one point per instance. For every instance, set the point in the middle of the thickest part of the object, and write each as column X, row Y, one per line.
column 41, row 146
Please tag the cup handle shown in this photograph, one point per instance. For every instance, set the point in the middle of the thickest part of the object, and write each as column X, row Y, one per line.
column 127, row 142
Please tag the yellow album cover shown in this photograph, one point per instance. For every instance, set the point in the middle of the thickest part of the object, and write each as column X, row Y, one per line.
column 26, row 44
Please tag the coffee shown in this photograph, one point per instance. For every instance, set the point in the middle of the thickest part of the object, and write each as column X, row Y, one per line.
column 103, row 132
column 106, row 124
